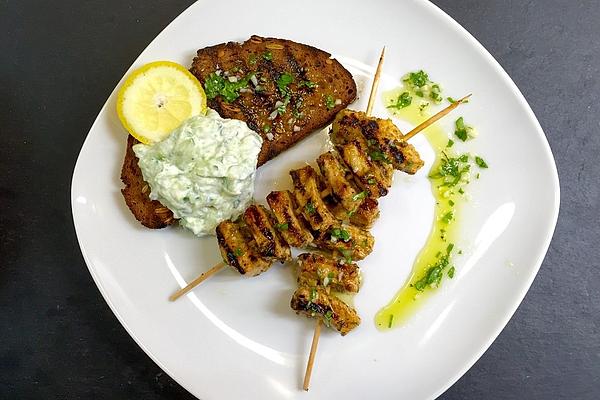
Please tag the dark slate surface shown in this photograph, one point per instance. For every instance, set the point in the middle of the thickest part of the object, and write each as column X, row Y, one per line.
column 60, row 60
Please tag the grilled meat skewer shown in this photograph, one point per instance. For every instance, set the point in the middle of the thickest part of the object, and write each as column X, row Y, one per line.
column 262, row 227
column 315, row 302
column 235, row 243
column 318, row 270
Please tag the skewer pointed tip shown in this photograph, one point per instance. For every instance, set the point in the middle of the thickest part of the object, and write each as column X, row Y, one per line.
column 434, row 118
column 462, row 100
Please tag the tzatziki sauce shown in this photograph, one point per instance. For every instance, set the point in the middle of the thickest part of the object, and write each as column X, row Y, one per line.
column 204, row 171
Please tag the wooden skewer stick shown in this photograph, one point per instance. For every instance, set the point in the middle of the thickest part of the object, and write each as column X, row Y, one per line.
column 197, row 281
column 433, row 119
column 317, row 333
column 375, row 83
column 311, row 356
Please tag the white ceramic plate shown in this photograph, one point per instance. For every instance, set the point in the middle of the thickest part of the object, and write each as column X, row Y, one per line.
column 238, row 338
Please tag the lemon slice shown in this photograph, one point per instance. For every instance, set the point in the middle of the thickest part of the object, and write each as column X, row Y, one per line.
column 157, row 98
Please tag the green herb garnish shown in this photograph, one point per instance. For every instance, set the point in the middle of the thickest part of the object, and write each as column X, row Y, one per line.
column 267, row 56
column 378, row 155
column 463, row 131
column 451, row 272
column 419, row 83
column 347, row 253
column 216, row 85
column 308, row 84
column 327, row 318
column 282, row 227
column 340, row 234
column 433, row 276
column 310, row 208
column 283, row 81
column 480, row 162
column 329, row 102
column 450, row 143
column 449, row 216
column 359, row 196
column 403, row 100
column 238, row 252
column 417, row 79
column 452, row 170
column 266, row 128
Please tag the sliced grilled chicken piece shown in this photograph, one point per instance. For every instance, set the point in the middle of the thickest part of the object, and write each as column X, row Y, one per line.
column 235, row 244
column 265, row 234
column 307, row 191
column 318, row 270
column 296, row 88
column 366, row 214
column 336, row 174
column 315, row 302
column 351, row 242
column 383, row 138
column 293, row 229
column 374, row 177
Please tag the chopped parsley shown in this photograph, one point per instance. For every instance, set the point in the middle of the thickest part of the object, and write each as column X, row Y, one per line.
column 450, row 143
column 340, row 234
column 480, row 162
column 308, row 84
column 371, row 181
column 329, row 102
column 433, row 276
column 282, row 227
column 463, row 131
column 327, row 318
column 359, row 196
column 418, row 82
column 313, row 294
column 283, row 81
column 451, row 100
column 449, row 216
column 266, row 128
column 402, row 101
column 347, row 253
column 268, row 56
column 452, row 170
column 238, row 252
column 417, row 79
column 377, row 155
column 451, row 272
column 216, row 85
column 310, row 208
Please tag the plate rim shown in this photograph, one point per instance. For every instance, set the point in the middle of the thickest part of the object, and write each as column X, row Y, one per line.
column 500, row 323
